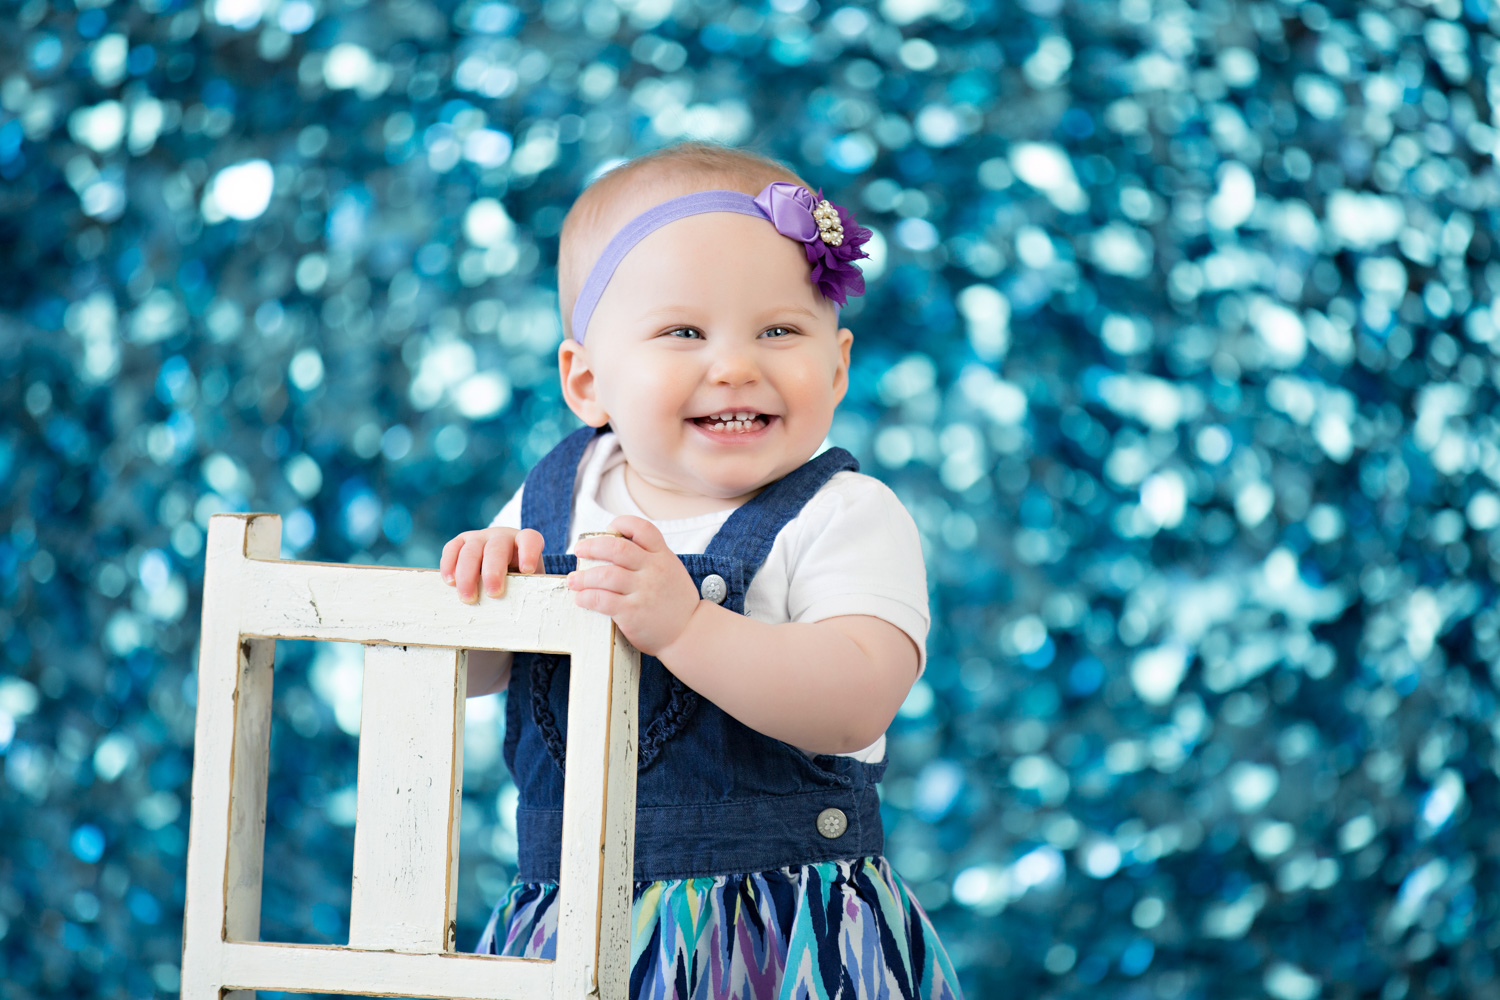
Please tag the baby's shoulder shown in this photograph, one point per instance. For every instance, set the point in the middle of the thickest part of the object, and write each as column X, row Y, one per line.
column 852, row 501
column 853, row 522
column 848, row 487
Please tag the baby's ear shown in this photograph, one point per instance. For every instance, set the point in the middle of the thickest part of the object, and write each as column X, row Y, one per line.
column 580, row 389
column 841, row 375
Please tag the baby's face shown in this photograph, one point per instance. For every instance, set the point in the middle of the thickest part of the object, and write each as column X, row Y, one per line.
column 714, row 358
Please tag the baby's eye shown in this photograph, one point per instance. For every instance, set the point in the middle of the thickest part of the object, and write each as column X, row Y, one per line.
column 684, row 333
column 779, row 332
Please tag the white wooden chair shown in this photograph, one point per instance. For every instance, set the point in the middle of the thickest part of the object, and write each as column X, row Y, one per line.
column 401, row 922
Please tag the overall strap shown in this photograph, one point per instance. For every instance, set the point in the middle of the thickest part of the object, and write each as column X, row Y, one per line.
column 751, row 530
column 547, row 496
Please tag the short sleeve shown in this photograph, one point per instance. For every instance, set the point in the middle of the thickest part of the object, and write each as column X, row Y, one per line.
column 510, row 514
column 855, row 550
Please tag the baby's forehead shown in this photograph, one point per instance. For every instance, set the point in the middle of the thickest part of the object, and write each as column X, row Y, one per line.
column 712, row 268
column 610, row 203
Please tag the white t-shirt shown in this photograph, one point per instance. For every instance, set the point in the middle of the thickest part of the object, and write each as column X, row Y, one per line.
column 853, row 549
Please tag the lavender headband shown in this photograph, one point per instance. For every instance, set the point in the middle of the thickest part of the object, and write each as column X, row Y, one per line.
column 828, row 232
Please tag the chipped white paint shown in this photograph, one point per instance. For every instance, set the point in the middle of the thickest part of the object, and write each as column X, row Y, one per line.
column 410, row 769
column 316, row 969
column 618, row 877
column 406, row 820
column 406, row 607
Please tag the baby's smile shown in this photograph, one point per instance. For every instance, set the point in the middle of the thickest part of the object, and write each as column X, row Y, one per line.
column 734, row 423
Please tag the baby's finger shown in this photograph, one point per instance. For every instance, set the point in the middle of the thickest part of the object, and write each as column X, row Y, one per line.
column 497, row 553
column 598, row 600
column 612, row 548
column 450, row 558
column 466, row 571
column 529, row 544
column 639, row 530
column 610, row 578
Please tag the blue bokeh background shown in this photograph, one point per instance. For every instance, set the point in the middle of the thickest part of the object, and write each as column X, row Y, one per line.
column 1179, row 347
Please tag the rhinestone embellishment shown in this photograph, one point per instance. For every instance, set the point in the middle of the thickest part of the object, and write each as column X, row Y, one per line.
column 830, row 229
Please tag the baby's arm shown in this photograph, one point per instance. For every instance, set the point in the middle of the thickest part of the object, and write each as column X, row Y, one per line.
column 862, row 667
column 489, row 671
column 485, row 556
column 829, row 687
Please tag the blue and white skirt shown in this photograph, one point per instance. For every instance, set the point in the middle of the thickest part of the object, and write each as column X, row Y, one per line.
column 836, row 930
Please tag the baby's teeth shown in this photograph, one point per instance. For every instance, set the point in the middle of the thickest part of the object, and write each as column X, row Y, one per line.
column 743, row 420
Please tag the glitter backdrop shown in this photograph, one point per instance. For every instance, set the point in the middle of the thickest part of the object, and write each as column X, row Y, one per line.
column 1179, row 347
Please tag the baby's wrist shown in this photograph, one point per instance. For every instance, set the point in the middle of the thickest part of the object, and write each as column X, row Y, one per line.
column 682, row 645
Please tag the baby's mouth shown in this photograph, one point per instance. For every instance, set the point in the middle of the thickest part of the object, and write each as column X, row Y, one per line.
column 733, row 422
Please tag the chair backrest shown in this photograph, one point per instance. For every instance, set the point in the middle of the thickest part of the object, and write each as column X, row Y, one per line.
column 401, row 925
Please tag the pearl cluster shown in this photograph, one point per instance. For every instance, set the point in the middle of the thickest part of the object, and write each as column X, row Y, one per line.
column 830, row 229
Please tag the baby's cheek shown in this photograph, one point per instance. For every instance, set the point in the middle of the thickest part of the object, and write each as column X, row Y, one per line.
column 813, row 387
column 665, row 388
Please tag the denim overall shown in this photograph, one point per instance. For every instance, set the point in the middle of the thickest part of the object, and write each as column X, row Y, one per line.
column 714, row 796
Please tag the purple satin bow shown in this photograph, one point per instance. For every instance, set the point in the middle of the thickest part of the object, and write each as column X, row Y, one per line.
column 790, row 209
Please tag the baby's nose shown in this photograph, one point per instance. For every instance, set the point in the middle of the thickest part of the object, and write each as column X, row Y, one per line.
column 733, row 367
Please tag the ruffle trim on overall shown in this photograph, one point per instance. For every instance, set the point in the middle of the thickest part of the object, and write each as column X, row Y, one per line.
column 835, row 930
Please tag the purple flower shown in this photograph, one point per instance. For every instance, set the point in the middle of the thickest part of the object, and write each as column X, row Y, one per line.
column 832, row 246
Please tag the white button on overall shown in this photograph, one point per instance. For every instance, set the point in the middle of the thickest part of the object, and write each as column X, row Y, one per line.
column 832, row 823
column 714, row 588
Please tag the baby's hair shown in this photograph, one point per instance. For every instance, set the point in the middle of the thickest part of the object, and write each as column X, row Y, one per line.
column 636, row 185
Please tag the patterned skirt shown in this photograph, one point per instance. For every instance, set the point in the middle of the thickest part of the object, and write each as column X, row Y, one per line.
column 837, row 929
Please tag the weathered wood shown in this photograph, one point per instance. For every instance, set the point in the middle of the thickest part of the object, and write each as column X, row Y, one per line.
column 408, row 797
column 595, row 874
column 407, row 607
column 247, row 799
column 321, row 969
column 231, row 756
column 410, row 775
column 618, row 877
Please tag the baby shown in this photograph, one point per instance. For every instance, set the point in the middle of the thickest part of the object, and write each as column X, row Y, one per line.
column 777, row 596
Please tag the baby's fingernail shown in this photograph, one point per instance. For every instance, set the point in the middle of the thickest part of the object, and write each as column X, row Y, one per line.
column 494, row 591
column 448, row 579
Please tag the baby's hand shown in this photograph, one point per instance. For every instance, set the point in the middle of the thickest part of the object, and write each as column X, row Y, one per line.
column 646, row 589
column 485, row 555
